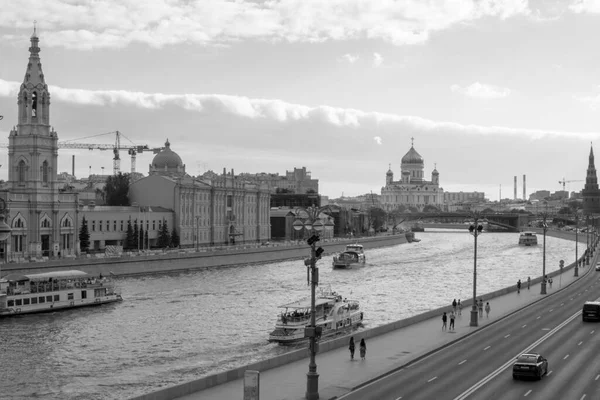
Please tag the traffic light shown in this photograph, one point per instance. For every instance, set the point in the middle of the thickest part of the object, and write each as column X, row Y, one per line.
column 318, row 252
column 312, row 239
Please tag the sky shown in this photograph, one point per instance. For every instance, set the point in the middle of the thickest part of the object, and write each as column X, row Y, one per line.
column 488, row 89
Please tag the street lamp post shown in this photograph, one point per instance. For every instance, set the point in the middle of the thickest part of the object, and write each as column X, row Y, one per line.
column 545, row 228
column 576, row 243
column 312, row 224
column 475, row 230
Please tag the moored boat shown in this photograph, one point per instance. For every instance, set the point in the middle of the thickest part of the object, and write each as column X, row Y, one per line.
column 52, row 291
column 333, row 315
column 353, row 255
column 528, row 239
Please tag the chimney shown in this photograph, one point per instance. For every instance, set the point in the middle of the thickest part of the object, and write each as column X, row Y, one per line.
column 515, row 195
column 524, row 187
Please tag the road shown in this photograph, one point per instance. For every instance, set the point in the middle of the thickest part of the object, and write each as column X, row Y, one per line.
column 480, row 366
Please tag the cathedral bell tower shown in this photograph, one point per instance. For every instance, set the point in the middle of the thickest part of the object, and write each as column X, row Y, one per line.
column 33, row 145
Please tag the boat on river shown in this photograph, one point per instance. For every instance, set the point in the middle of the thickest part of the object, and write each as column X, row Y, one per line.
column 334, row 315
column 52, row 291
column 353, row 255
column 528, row 238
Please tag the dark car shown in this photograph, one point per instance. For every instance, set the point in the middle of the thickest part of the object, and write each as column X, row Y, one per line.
column 598, row 267
column 591, row 311
column 531, row 365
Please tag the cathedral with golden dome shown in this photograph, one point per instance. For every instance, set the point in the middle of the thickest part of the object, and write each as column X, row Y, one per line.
column 412, row 190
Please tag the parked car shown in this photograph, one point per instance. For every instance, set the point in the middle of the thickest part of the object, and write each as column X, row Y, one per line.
column 531, row 365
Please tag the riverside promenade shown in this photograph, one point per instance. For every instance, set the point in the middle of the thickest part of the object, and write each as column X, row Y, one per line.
column 389, row 347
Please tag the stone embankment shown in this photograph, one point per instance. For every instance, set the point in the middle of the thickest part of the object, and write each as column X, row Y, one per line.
column 185, row 260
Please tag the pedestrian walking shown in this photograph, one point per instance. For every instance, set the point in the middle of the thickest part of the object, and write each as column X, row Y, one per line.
column 454, row 305
column 519, row 286
column 459, row 307
column 351, row 347
column 480, row 307
column 487, row 309
column 363, row 348
column 528, row 282
column 452, row 316
column 550, row 282
column 444, row 320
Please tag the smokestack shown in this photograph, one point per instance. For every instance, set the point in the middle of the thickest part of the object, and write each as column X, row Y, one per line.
column 500, row 199
column 73, row 167
column 524, row 187
column 515, row 187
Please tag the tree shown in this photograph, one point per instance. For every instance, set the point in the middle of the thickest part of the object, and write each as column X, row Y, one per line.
column 84, row 235
column 116, row 190
column 174, row 238
column 146, row 240
column 488, row 211
column 136, row 235
column 376, row 218
column 129, row 243
column 164, row 240
column 141, row 237
column 430, row 208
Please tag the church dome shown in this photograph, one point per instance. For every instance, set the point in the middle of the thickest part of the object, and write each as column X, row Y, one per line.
column 412, row 157
column 167, row 158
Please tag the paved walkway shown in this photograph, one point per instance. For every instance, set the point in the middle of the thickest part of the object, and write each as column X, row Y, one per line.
column 338, row 374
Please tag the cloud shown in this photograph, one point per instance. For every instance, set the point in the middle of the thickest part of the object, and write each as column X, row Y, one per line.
column 378, row 140
column 481, row 90
column 585, row 6
column 118, row 23
column 351, row 58
column 278, row 110
column 593, row 101
column 377, row 60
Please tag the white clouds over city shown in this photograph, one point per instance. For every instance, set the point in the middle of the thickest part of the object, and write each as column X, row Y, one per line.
column 377, row 59
column 351, row 58
column 118, row 23
column 481, row 91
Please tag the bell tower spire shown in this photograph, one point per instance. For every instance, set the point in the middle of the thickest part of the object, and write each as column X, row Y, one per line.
column 33, row 145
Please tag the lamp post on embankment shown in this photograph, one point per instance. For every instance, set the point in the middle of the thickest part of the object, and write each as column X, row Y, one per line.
column 576, row 242
column 313, row 225
column 475, row 230
column 545, row 228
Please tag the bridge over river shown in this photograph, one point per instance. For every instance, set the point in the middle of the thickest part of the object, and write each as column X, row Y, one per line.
column 510, row 222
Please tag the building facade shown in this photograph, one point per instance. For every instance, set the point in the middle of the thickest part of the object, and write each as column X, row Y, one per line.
column 298, row 181
column 412, row 190
column 214, row 209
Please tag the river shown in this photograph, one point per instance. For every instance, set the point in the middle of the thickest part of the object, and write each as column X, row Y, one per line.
column 179, row 327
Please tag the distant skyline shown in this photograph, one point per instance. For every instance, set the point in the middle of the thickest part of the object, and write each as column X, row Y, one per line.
column 488, row 89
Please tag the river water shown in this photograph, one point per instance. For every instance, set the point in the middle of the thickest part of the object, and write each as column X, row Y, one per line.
column 175, row 328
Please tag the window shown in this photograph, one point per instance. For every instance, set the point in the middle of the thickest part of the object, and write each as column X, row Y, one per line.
column 84, row 294
column 21, row 171
column 34, row 104
column 56, row 297
column 34, row 300
column 107, row 226
column 42, row 299
column 18, row 302
column 93, row 226
column 45, row 172
column 69, row 296
column 49, row 299
column 229, row 200
column 25, row 302
column 153, row 225
column 115, row 226
column 121, row 225
column 11, row 303
column 100, row 225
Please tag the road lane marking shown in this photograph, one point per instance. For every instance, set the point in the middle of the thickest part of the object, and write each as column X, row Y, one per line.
column 539, row 317
column 487, row 348
column 583, row 397
column 592, row 332
column 579, row 344
column 597, row 376
column 399, row 398
column 524, row 326
column 545, row 329
column 462, row 362
column 432, row 379
column 565, row 357
column 506, row 336
column 562, row 304
column 548, row 374
column 526, row 394
column 552, row 309
column 511, row 361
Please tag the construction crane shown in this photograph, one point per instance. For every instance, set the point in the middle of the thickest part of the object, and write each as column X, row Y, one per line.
column 116, row 148
column 564, row 182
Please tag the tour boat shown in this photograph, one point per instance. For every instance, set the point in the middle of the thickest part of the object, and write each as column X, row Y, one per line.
column 52, row 291
column 353, row 255
column 333, row 315
column 528, row 239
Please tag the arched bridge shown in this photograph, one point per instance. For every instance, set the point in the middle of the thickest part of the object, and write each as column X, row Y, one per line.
column 512, row 222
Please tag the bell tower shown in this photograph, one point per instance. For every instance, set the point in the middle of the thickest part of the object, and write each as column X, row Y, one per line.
column 33, row 144
column 591, row 192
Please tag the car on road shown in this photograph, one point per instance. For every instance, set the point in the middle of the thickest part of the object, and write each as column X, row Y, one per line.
column 530, row 365
column 590, row 311
column 598, row 267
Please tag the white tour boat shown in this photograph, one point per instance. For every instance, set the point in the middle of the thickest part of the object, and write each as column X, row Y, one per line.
column 528, row 239
column 333, row 315
column 51, row 291
column 353, row 255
